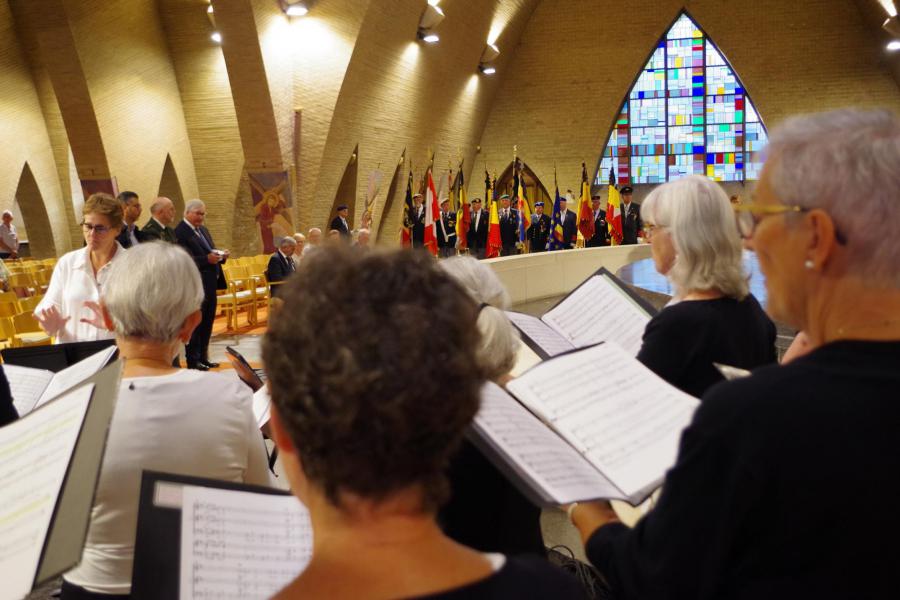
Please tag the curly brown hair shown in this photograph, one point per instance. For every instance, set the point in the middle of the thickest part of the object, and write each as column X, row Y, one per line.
column 387, row 377
column 104, row 204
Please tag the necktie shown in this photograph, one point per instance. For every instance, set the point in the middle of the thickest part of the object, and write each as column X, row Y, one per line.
column 203, row 241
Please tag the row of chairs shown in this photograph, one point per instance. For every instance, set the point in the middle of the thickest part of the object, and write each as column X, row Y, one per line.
column 247, row 287
column 18, row 327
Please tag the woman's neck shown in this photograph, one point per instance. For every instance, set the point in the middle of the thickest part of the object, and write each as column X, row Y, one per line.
column 853, row 311
column 710, row 294
column 101, row 256
column 146, row 358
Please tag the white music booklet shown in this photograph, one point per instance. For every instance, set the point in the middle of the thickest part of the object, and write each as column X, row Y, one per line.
column 601, row 309
column 591, row 424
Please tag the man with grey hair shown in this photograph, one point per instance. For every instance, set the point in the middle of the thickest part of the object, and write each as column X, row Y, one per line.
column 9, row 239
column 281, row 263
column 159, row 227
column 301, row 245
column 362, row 239
column 313, row 241
column 195, row 238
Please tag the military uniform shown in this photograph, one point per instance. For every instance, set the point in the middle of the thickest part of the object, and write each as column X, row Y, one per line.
column 538, row 232
column 446, row 234
column 601, row 231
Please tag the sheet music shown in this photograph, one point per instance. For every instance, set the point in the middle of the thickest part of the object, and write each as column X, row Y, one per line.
column 34, row 455
column 549, row 461
column 620, row 415
column 599, row 311
column 241, row 544
column 26, row 385
column 72, row 376
column 261, row 403
column 551, row 342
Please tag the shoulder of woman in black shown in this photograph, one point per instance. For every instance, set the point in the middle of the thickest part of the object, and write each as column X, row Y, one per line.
column 8, row 412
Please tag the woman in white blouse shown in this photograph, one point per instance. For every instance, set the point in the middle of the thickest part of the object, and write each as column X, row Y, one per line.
column 69, row 311
column 167, row 419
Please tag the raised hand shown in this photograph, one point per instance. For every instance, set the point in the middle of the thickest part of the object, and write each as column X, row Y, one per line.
column 51, row 320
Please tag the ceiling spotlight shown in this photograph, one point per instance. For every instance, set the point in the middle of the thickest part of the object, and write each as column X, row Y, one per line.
column 216, row 37
column 892, row 26
column 487, row 69
column 209, row 9
column 893, row 46
column 295, row 8
column 429, row 38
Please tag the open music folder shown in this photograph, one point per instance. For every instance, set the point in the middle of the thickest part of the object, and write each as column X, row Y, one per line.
column 601, row 309
column 590, row 424
column 203, row 538
column 49, row 466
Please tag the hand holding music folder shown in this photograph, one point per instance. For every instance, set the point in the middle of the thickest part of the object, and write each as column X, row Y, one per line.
column 591, row 424
column 601, row 309
column 49, row 466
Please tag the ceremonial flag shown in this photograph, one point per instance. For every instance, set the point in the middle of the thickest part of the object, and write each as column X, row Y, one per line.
column 585, row 212
column 432, row 214
column 614, row 212
column 406, row 232
column 463, row 217
column 372, row 191
column 494, row 244
column 556, row 240
column 522, row 204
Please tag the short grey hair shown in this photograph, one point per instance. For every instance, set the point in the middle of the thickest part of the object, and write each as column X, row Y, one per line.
column 299, row 237
column 151, row 290
column 287, row 241
column 699, row 217
column 193, row 205
column 499, row 339
column 846, row 162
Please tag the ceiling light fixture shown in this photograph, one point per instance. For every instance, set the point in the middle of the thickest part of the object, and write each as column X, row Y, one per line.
column 487, row 69
column 295, row 8
column 216, row 37
column 893, row 46
column 892, row 26
column 431, row 18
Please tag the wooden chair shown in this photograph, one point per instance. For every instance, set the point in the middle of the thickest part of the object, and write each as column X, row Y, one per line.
column 21, row 284
column 237, row 296
column 9, row 309
column 28, row 331
column 8, row 297
column 29, row 304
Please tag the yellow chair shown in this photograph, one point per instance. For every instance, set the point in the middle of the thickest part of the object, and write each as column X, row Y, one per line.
column 28, row 331
column 237, row 296
column 29, row 304
column 8, row 297
column 21, row 284
column 9, row 309
column 41, row 280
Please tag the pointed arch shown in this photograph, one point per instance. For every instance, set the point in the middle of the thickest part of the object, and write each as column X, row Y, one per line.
column 34, row 215
column 346, row 192
column 170, row 187
column 535, row 190
column 389, row 197
column 687, row 112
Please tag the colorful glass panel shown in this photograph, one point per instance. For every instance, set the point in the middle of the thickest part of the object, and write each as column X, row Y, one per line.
column 648, row 169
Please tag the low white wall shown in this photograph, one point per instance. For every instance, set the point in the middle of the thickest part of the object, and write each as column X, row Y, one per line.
column 530, row 277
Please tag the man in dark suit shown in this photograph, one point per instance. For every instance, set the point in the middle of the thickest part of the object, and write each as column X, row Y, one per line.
column 281, row 264
column 131, row 208
column 446, row 231
column 195, row 238
column 601, row 231
column 159, row 227
column 539, row 231
column 631, row 217
column 417, row 218
column 478, row 230
column 570, row 227
column 509, row 227
column 340, row 222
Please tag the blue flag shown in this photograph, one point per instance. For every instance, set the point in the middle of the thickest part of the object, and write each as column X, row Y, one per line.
column 556, row 241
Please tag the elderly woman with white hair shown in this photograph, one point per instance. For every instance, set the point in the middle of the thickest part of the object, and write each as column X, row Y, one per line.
column 756, row 505
column 714, row 319
column 167, row 419
column 485, row 510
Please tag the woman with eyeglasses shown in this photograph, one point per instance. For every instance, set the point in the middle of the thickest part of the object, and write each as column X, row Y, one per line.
column 785, row 483
column 713, row 318
column 70, row 310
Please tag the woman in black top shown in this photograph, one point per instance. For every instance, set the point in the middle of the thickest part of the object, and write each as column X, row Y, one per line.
column 714, row 319
column 366, row 424
column 786, row 482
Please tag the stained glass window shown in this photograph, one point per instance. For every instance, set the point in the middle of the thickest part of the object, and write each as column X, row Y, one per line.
column 688, row 113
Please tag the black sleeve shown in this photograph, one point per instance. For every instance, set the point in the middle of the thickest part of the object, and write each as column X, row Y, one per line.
column 8, row 412
column 667, row 348
column 682, row 547
column 639, row 225
column 276, row 269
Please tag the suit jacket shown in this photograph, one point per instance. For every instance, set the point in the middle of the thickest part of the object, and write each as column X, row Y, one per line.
column 449, row 222
column 123, row 238
column 601, row 232
column 418, row 226
column 570, row 229
column 337, row 223
column 477, row 237
column 631, row 223
column 280, row 268
column 509, row 228
column 538, row 232
column 154, row 231
column 212, row 275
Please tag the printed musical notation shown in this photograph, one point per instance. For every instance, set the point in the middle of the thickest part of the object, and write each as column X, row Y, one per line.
column 237, row 544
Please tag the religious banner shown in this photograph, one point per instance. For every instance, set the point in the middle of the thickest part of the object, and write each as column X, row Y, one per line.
column 271, row 193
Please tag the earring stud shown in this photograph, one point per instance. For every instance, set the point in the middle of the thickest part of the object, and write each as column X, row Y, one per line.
column 809, row 264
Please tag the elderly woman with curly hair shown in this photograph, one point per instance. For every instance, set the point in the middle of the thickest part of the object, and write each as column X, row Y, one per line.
column 367, row 422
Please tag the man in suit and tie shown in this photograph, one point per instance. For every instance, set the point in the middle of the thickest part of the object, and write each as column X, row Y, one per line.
column 281, row 264
column 417, row 218
column 509, row 227
column 601, row 231
column 539, row 231
column 631, row 217
column 195, row 238
column 340, row 222
column 159, row 227
column 446, row 231
column 570, row 227
column 478, row 230
column 131, row 209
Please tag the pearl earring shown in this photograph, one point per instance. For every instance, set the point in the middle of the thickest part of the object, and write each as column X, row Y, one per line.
column 809, row 264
